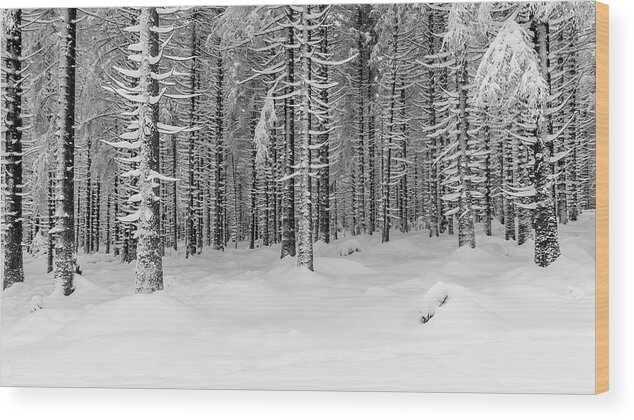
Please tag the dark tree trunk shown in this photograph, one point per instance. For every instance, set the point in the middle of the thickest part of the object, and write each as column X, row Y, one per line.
column 149, row 268
column 220, row 230
column 546, row 235
column 96, row 238
column 88, row 201
column 288, row 205
column 324, row 154
column 191, row 150
column 65, row 194
column 117, row 225
column 51, row 222
column 466, row 227
column 12, row 142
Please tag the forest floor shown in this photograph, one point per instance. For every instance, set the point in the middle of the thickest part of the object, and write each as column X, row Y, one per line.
column 246, row 319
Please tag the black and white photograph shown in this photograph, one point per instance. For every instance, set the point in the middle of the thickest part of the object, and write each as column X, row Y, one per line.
column 343, row 197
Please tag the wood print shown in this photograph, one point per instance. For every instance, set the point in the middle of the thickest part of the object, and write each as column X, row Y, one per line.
column 360, row 197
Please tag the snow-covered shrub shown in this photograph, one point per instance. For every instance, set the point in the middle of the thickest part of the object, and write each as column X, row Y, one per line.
column 348, row 247
column 435, row 297
column 39, row 244
column 258, row 243
column 37, row 303
column 420, row 223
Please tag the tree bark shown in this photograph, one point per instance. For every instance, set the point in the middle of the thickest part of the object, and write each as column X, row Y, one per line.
column 65, row 194
column 546, row 235
column 12, row 153
column 288, row 205
column 305, row 242
column 149, row 268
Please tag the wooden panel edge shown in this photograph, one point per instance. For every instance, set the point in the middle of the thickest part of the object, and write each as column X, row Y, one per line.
column 602, row 201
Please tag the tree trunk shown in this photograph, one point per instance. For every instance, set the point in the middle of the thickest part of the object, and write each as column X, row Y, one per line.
column 65, row 194
column 324, row 153
column 305, row 242
column 51, row 222
column 12, row 153
column 220, row 179
column 117, row 225
column 466, row 227
column 546, row 236
column 149, row 268
column 108, row 237
column 390, row 135
column 252, row 206
column 288, row 205
column 174, row 196
column 88, row 201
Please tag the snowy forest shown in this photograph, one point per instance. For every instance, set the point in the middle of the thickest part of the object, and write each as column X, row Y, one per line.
column 134, row 132
column 403, row 194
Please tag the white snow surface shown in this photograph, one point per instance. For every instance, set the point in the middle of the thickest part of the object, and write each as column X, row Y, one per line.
column 348, row 247
column 246, row 319
column 435, row 297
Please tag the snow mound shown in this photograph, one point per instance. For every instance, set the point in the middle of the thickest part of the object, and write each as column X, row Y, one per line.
column 348, row 247
column 435, row 297
column 39, row 244
column 130, row 315
column 36, row 303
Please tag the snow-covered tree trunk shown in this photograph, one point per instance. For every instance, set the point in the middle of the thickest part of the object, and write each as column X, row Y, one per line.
column 12, row 144
column 546, row 233
column 288, row 203
column 432, row 152
column 220, row 180
column 51, row 221
column 404, row 166
column 572, row 134
column 108, row 232
column 116, row 234
column 508, row 183
column 88, row 201
column 488, row 175
column 324, row 152
column 253, row 226
column 65, row 177
column 524, row 214
column 359, row 179
column 466, row 228
column 304, row 234
column 389, row 144
column 96, row 217
column 149, row 268
column 192, row 143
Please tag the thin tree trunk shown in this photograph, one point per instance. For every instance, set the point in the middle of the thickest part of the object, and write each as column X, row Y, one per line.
column 288, row 205
column 51, row 221
column 220, row 179
column 88, row 201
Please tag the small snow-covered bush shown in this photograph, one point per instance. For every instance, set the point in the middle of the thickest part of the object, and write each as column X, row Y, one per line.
column 39, row 244
column 435, row 297
column 37, row 303
column 348, row 247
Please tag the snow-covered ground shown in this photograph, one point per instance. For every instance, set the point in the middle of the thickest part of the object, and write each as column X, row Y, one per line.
column 246, row 319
